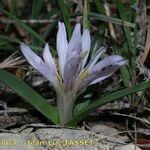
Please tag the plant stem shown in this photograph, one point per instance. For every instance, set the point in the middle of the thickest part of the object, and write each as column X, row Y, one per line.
column 85, row 15
column 65, row 106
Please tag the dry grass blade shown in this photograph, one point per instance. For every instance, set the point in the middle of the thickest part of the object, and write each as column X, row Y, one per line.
column 110, row 25
column 12, row 61
column 148, row 109
column 147, row 46
column 31, row 21
column 134, row 117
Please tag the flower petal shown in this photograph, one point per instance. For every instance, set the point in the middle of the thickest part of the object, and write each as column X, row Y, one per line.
column 91, row 64
column 95, row 58
column 75, row 40
column 62, row 45
column 71, row 70
column 73, row 58
column 38, row 63
column 101, row 71
column 86, row 45
column 100, row 79
column 108, row 72
column 47, row 56
column 108, row 61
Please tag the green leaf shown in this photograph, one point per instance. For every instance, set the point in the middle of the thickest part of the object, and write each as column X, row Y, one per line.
column 65, row 14
column 124, row 70
column 99, row 7
column 81, row 106
column 107, row 99
column 130, row 44
column 127, row 30
column 11, row 39
column 97, row 40
column 36, row 8
column 30, row 95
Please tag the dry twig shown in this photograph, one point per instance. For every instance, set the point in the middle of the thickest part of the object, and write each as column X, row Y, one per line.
column 11, row 62
column 147, row 46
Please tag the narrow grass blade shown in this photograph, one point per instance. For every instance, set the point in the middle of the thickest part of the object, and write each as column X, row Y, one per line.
column 30, row 95
column 127, row 30
column 65, row 14
column 10, row 39
column 99, row 7
column 124, row 70
column 97, row 41
column 36, row 8
column 129, row 46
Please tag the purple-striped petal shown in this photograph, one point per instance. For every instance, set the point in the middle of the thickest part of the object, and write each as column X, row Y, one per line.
column 62, row 45
column 108, row 61
column 71, row 70
column 101, row 71
column 75, row 41
column 108, row 71
column 86, row 45
column 38, row 63
column 95, row 58
column 91, row 64
column 73, row 59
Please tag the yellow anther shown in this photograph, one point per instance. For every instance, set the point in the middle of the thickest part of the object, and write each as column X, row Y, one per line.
column 58, row 77
column 84, row 54
column 83, row 74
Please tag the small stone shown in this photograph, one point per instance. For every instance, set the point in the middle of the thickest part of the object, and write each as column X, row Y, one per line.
column 108, row 131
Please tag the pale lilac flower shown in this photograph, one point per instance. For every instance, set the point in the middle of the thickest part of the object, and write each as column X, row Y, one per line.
column 74, row 74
